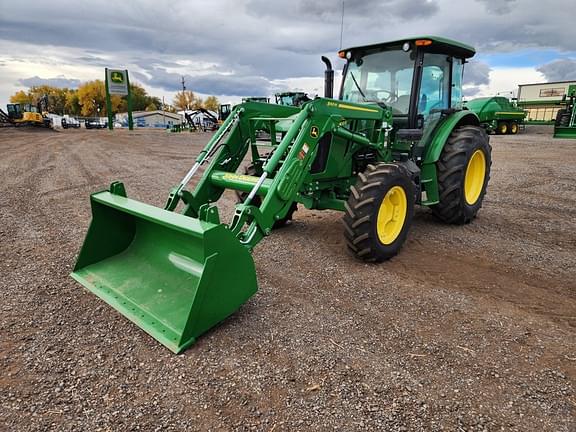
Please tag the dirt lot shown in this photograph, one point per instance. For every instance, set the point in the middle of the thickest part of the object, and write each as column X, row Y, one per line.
column 469, row 328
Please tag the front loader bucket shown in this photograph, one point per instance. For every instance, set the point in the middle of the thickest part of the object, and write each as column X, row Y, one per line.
column 172, row 275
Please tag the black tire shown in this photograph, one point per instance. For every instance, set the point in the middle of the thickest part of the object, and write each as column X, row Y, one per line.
column 565, row 120
column 502, row 128
column 461, row 145
column 559, row 115
column 513, row 128
column 362, row 210
column 257, row 200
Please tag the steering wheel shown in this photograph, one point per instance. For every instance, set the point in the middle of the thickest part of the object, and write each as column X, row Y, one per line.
column 390, row 96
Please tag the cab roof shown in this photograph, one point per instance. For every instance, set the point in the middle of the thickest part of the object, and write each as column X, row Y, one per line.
column 437, row 44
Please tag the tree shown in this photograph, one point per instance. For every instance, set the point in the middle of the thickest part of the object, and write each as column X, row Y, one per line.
column 151, row 107
column 197, row 103
column 56, row 97
column 139, row 97
column 92, row 99
column 212, row 103
column 72, row 105
column 184, row 100
column 21, row 97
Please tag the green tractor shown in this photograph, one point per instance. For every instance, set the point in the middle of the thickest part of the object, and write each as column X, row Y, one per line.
column 396, row 137
column 565, row 125
column 291, row 98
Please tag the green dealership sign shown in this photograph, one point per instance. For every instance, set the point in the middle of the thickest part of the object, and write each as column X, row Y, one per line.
column 118, row 83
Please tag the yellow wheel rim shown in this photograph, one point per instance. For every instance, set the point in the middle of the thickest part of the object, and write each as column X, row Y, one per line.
column 514, row 128
column 474, row 179
column 503, row 128
column 391, row 215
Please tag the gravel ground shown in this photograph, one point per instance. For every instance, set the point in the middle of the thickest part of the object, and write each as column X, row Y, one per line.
column 469, row 328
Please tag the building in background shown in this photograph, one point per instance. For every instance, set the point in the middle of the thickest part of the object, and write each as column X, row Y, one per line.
column 151, row 119
column 542, row 100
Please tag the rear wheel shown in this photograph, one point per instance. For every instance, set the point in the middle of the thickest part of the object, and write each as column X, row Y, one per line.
column 379, row 212
column 502, row 128
column 257, row 200
column 513, row 128
column 463, row 174
column 559, row 115
column 565, row 120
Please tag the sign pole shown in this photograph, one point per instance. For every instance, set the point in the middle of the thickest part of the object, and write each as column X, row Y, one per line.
column 108, row 103
column 129, row 97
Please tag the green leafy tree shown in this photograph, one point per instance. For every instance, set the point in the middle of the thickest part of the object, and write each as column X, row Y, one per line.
column 72, row 105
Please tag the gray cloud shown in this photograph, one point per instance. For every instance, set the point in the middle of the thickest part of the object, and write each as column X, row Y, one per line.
column 476, row 73
column 559, row 70
column 499, row 6
column 470, row 92
column 60, row 81
column 331, row 11
column 245, row 44
column 225, row 85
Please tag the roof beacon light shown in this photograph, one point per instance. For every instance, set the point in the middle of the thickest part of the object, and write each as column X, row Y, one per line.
column 342, row 54
column 406, row 47
column 423, row 42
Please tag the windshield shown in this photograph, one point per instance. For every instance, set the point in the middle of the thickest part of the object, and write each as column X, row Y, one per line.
column 382, row 77
column 286, row 100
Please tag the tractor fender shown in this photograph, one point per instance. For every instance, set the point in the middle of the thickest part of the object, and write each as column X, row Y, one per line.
column 443, row 131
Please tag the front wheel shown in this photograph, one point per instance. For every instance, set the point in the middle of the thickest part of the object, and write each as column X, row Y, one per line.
column 463, row 173
column 379, row 212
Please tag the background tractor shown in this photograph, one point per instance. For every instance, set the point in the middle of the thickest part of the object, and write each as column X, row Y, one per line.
column 396, row 137
column 565, row 125
column 26, row 114
column 291, row 98
column 497, row 114
column 224, row 111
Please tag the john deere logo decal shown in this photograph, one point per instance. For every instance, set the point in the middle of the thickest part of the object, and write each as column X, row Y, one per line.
column 117, row 77
column 314, row 132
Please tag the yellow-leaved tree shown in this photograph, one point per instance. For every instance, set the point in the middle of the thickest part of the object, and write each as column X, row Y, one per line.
column 21, row 97
column 212, row 103
column 184, row 100
column 92, row 99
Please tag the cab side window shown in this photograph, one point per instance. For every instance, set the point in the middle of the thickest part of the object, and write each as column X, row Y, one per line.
column 434, row 88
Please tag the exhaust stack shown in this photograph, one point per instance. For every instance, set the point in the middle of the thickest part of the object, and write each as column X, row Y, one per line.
column 328, row 78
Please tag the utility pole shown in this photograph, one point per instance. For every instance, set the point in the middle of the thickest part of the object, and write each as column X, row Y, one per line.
column 184, row 93
column 163, row 113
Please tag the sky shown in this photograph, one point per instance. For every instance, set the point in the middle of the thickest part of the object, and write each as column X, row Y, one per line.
column 237, row 48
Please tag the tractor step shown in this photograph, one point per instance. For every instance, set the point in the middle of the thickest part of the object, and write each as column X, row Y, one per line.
column 239, row 182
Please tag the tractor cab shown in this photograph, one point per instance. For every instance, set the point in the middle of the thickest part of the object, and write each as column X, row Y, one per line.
column 291, row 98
column 224, row 111
column 415, row 77
column 16, row 111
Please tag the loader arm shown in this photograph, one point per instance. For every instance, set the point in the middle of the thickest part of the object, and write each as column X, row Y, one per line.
column 178, row 273
column 285, row 168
